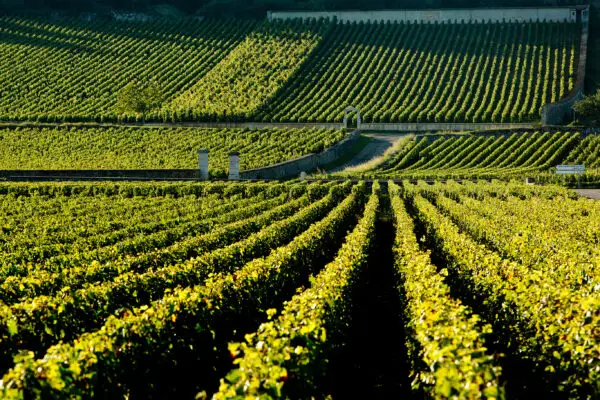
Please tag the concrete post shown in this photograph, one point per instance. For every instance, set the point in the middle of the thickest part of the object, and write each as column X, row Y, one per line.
column 234, row 166
column 203, row 164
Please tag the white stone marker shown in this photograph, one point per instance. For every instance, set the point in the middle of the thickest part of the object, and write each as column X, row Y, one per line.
column 234, row 166
column 203, row 164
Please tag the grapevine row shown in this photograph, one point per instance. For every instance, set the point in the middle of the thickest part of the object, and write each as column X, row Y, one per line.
column 144, row 334
column 156, row 148
column 75, row 69
column 68, row 313
column 531, row 307
column 399, row 72
column 288, row 357
column 73, row 273
column 282, row 71
column 478, row 156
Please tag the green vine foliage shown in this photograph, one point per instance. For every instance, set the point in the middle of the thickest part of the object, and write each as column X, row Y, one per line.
column 119, row 289
column 529, row 303
column 481, row 156
column 287, row 357
column 75, row 70
column 156, row 148
column 282, row 71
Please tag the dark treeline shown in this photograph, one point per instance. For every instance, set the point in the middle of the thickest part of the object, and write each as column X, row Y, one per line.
column 256, row 8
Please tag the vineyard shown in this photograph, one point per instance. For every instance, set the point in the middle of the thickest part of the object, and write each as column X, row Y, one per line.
column 433, row 73
column 155, row 148
column 588, row 153
column 242, row 82
column 265, row 290
column 75, row 70
column 285, row 71
column 423, row 268
column 483, row 156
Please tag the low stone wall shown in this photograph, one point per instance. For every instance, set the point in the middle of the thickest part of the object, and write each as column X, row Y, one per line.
column 500, row 132
column 283, row 170
column 434, row 126
column 306, row 163
column 375, row 127
column 555, row 113
column 219, row 125
column 254, row 125
column 557, row 14
column 147, row 174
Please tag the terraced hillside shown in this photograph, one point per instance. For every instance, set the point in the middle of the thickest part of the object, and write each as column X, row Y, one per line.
column 433, row 73
column 75, row 70
column 587, row 153
column 250, row 75
column 155, row 148
column 135, row 290
column 483, row 156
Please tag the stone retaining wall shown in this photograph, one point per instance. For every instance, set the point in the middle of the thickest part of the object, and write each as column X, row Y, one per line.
column 555, row 113
column 253, row 125
column 557, row 14
column 399, row 127
column 310, row 162
column 441, row 126
column 147, row 174
column 286, row 169
column 219, row 125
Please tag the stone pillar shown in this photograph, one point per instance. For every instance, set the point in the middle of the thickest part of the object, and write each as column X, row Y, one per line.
column 203, row 164
column 234, row 165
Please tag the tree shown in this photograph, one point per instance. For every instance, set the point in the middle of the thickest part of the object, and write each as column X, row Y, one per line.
column 136, row 98
column 589, row 106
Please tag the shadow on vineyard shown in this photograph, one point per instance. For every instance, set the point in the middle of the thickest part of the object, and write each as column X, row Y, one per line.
column 47, row 43
column 194, row 361
column 373, row 364
column 521, row 378
column 197, row 357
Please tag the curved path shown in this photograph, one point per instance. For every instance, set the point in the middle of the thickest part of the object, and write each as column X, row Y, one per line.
column 589, row 193
column 379, row 143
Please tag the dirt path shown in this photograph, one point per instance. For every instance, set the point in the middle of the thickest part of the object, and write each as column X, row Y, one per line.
column 375, row 358
column 589, row 193
column 379, row 143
